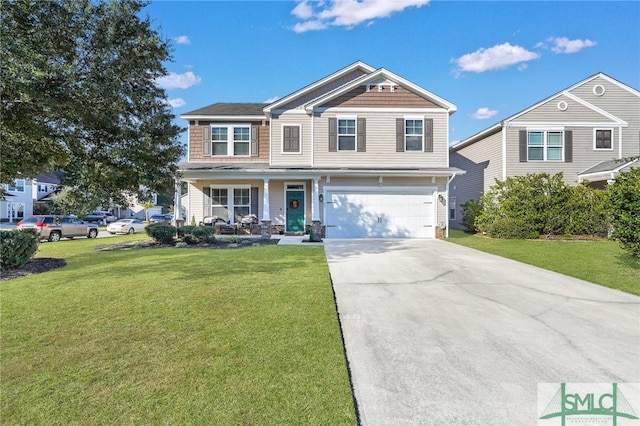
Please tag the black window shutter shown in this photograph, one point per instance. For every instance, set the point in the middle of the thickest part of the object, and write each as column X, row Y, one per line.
column 255, row 140
column 206, row 140
column 523, row 145
column 254, row 201
column 286, row 139
column 568, row 146
column 206, row 202
column 295, row 139
column 333, row 135
column 428, row 135
column 399, row 134
column 362, row 135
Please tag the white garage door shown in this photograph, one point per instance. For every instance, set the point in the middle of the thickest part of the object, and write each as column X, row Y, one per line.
column 392, row 213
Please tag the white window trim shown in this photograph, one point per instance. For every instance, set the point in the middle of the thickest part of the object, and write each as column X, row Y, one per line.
column 230, row 141
column 545, row 145
column 230, row 206
column 355, row 135
column 405, row 133
column 16, row 186
column 282, row 151
column 594, row 138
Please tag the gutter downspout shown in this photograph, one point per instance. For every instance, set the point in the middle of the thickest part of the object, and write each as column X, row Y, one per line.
column 504, row 151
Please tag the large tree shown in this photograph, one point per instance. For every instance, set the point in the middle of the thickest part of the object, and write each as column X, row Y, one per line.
column 79, row 95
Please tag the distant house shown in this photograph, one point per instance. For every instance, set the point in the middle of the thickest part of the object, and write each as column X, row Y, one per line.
column 361, row 152
column 23, row 194
column 589, row 132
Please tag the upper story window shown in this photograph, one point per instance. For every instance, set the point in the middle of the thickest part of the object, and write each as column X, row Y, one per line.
column 291, row 139
column 603, row 139
column 18, row 186
column 346, row 134
column 230, row 140
column 413, row 135
column 545, row 145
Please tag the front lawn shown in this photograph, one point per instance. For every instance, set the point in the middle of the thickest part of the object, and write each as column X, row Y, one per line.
column 600, row 262
column 174, row 336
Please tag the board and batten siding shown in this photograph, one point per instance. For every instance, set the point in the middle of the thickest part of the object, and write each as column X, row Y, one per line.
column 380, row 142
column 482, row 162
column 279, row 158
column 619, row 102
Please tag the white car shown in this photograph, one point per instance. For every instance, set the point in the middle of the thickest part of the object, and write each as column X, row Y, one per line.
column 126, row 226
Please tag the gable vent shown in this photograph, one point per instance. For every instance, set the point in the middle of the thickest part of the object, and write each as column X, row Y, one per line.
column 598, row 90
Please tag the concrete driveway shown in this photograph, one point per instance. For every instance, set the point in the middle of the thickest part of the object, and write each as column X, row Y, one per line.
column 440, row 334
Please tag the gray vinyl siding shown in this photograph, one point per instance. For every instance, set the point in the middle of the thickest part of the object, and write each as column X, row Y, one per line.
column 619, row 102
column 299, row 103
column 482, row 162
column 278, row 158
column 381, row 142
column 584, row 156
column 549, row 113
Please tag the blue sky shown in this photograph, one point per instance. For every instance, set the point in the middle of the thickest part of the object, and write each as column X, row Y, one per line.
column 491, row 59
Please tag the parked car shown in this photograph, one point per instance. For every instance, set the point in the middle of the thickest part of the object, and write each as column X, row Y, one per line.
column 53, row 228
column 100, row 215
column 161, row 218
column 126, row 226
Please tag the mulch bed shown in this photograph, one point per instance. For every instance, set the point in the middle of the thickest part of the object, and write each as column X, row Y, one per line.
column 34, row 266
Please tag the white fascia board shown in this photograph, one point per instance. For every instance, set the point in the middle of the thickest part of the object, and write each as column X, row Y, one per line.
column 354, row 110
column 596, row 109
column 550, row 125
column 289, row 174
column 359, row 64
column 610, row 80
column 451, row 108
column 477, row 137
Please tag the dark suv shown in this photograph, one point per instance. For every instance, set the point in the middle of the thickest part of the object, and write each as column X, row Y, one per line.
column 98, row 216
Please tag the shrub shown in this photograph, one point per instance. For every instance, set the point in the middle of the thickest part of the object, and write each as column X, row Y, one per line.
column 17, row 248
column 161, row 232
column 624, row 205
column 470, row 211
column 203, row 234
column 185, row 230
column 535, row 204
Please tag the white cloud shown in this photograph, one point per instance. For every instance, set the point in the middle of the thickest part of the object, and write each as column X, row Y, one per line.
column 178, row 81
column 497, row 57
column 271, row 100
column 182, row 39
column 346, row 13
column 176, row 103
column 564, row 45
column 483, row 113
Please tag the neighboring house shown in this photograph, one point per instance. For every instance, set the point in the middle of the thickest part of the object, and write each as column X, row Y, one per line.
column 589, row 132
column 17, row 201
column 136, row 210
column 360, row 153
column 43, row 186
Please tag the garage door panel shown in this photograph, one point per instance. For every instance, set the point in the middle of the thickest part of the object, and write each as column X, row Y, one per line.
column 389, row 214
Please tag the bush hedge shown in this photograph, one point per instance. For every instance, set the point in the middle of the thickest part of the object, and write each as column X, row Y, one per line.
column 17, row 248
column 624, row 206
column 161, row 232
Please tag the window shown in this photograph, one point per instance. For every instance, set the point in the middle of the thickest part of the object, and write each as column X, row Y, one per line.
column 346, row 134
column 413, row 135
column 238, row 146
column 545, row 145
column 452, row 208
column 602, row 139
column 18, row 186
column 291, row 139
column 241, row 203
column 230, row 204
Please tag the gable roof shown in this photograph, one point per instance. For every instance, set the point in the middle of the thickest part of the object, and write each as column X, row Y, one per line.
column 358, row 65
column 606, row 169
column 381, row 73
column 227, row 110
column 565, row 92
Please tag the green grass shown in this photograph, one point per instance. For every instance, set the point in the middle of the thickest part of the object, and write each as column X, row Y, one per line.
column 174, row 336
column 600, row 262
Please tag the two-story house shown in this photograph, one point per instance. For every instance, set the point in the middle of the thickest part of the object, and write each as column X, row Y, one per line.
column 589, row 132
column 360, row 153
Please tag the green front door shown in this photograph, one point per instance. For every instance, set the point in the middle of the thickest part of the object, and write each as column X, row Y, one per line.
column 295, row 211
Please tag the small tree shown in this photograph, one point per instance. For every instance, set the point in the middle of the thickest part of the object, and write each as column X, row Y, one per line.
column 470, row 210
column 147, row 205
column 624, row 205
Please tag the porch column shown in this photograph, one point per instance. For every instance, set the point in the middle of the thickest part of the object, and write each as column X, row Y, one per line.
column 315, row 202
column 265, row 200
column 177, row 203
